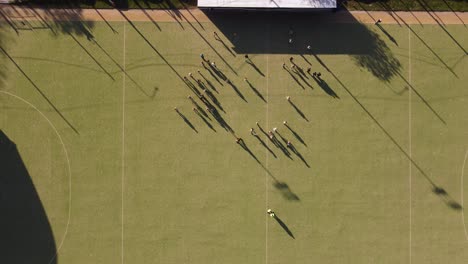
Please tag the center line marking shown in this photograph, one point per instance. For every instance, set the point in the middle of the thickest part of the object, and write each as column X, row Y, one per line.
column 123, row 146
column 410, row 150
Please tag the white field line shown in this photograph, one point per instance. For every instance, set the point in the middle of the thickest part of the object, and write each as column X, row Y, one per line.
column 123, row 146
column 410, row 150
column 267, row 141
column 461, row 183
column 69, row 169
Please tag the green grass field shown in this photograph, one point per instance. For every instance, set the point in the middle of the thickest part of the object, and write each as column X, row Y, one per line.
column 121, row 178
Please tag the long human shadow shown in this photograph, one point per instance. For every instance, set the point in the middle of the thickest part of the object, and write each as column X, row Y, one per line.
column 27, row 236
column 146, row 14
column 188, row 10
column 39, row 90
column 298, row 110
column 265, row 145
column 276, row 142
column 293, row 149
column 455, row 13
column 325, row 87
column 209, row 83
column 237, row 91
column 198, row 107
column 174, row 12
column 408, row 85
column 448, row 200
column 300, row 72
column 8, row 21
column 429, row 48
column 187, row 121
column 251, row 63
column 207, row 42
column 292, row 76
column 151, row 45
column 256, row 91
column 365, row 46
column 284, row 226
column 91, row 56
column 390, row 37
column 296, row 135
column 212, row 74
column 426, row 6
column 152, row 95
column 213, row 98
column 217, row 116
column 226, row 46
column 204, row 119
column 105, row 20
column 422, row 98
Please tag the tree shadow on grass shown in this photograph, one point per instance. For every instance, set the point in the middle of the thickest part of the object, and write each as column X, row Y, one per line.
column 319, row 31
column 27, row 236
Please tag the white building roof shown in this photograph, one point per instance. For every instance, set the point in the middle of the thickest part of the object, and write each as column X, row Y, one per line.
column 268, row 3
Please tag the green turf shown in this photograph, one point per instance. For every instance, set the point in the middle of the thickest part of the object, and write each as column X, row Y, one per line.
column 189, row 197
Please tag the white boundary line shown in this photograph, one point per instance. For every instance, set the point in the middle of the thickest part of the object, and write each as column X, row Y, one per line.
column 266, row 151
column 461, row 183
column 410, row 150
column 69, row 169
column 123, row 145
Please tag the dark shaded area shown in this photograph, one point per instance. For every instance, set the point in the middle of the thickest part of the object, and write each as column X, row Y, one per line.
column 283, row 225
column 186, row 121
column 26, row 234
column 248, row 31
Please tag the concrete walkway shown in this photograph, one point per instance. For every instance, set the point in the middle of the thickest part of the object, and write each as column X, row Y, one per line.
column 8, row 12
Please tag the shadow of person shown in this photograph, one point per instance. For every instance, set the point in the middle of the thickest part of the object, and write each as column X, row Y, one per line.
column 283, row 225
column 299, row 111
column 325, row 87
column 27, row 236
column 187, row 121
